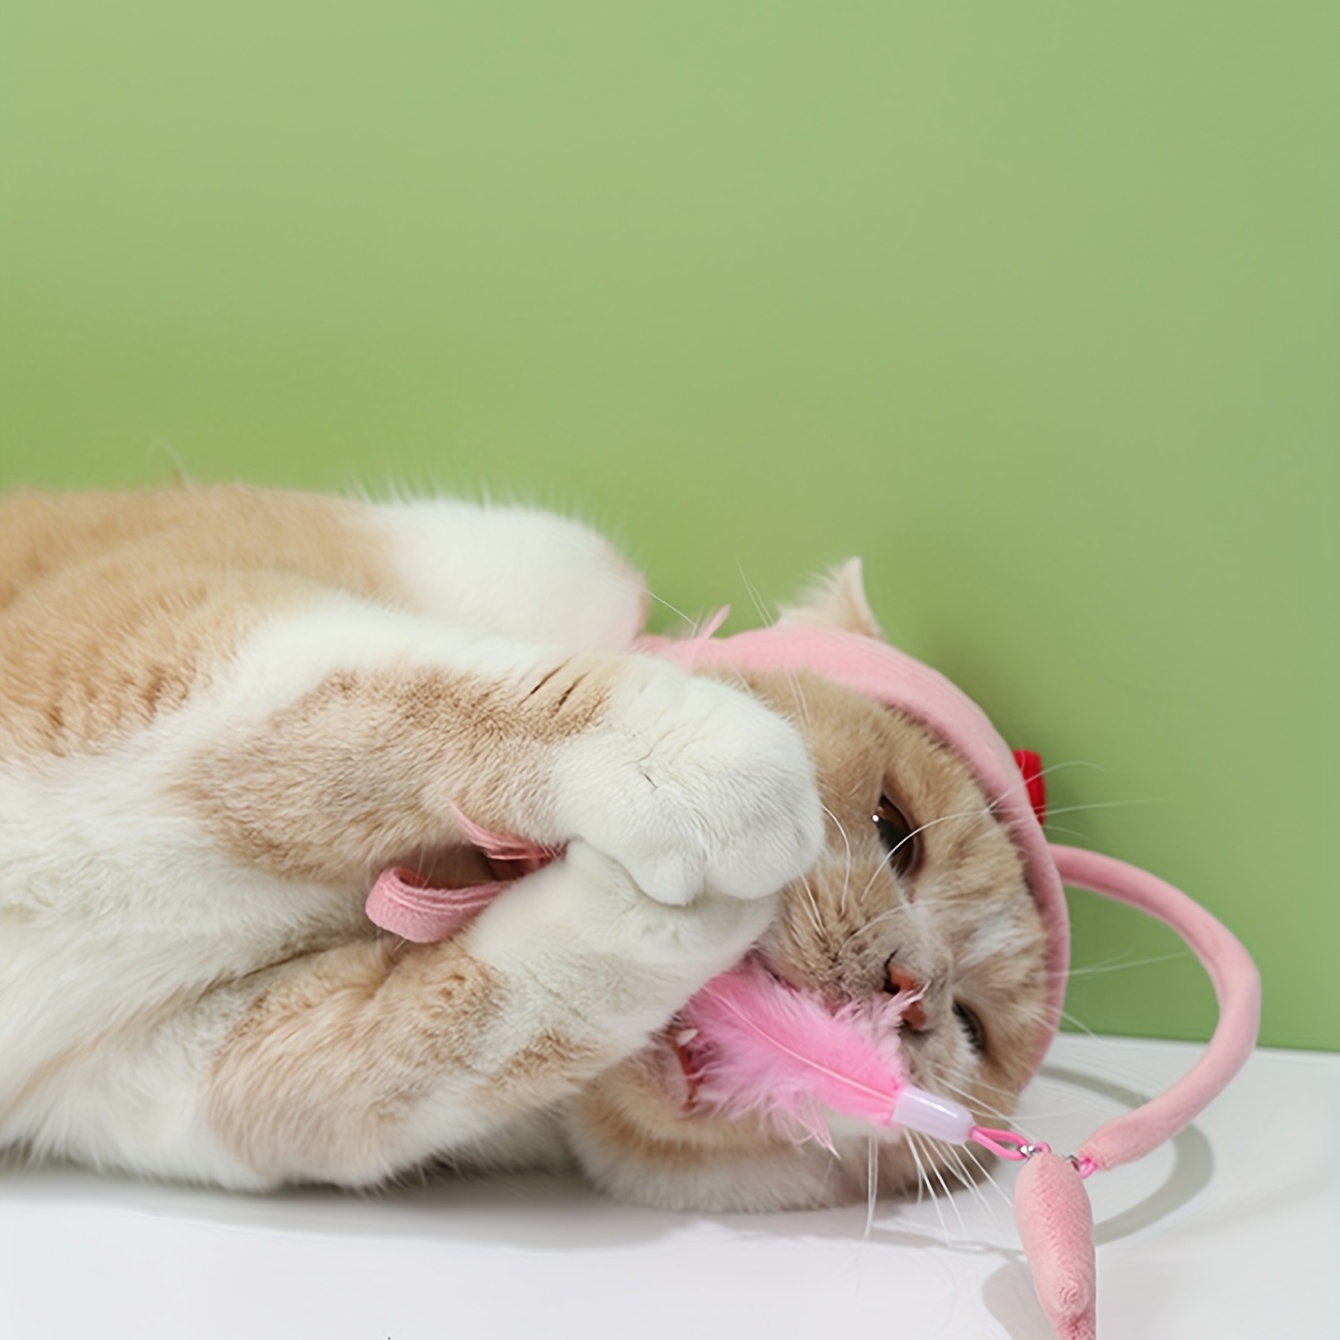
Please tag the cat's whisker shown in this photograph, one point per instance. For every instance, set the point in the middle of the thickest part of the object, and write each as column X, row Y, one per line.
column 960, row 1170
column 1121, row 965
column 1144, row 1083
column 811, row 905
column 1054, row 811
column 869, row 884
column 988, row 811
column 674, row 609
column 978, row 816
column 1078, row 1024
column 882, row 866
column 798, row 691
column 815, row 910
column 1022, row 783
column 766, row 614
column 1059, row 830
column 925, row 1178
column 736, row 676
column 939, row 1148
column 876, row 920
column 975, row 1098
column 846, row 874
column 872, row 1186
column 922, row 1184
column 944, row 1186
column 1065, row 765
column 813, row 899
column 1104, row 805
column 986, row 1175
column 939, row 819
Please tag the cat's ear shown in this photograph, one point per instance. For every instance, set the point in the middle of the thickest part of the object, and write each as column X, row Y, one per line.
column 835, row 601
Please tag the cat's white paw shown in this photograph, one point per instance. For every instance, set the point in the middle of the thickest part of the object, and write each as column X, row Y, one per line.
column 604, row 906
column 693, row 785
column 582, row 936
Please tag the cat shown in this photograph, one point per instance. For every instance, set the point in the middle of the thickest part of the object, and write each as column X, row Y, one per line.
column 224, row 710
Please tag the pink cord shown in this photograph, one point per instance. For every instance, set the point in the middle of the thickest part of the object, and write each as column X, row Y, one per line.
column 1018, row 1149
column 1007, row 1144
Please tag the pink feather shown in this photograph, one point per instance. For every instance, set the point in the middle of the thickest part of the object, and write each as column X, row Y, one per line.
column 762, row 1047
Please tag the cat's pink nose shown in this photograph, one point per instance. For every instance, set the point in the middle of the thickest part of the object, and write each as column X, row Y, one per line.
column 903, row 983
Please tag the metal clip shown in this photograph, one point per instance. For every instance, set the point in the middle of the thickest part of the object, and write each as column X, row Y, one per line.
column 1008, row 1145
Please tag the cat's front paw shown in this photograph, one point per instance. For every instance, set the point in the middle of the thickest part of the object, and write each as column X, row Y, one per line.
column 693, row 785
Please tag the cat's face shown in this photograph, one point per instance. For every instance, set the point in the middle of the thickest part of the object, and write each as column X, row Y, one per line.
column 919, row 890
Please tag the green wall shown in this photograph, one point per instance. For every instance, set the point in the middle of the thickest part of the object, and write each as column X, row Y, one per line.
column 1033, row 305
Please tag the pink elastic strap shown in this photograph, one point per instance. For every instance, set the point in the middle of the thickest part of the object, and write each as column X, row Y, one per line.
column 406, row 904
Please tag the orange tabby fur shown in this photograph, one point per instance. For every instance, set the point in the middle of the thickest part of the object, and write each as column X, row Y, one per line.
column 223, row 710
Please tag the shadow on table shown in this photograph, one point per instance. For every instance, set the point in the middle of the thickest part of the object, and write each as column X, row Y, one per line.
column 1008, row 1293
column 557, row 1213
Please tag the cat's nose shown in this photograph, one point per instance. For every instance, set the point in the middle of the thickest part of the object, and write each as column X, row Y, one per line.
column 903, row 983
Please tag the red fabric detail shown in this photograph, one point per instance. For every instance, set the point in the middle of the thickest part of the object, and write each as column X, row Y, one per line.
column 1030, row 764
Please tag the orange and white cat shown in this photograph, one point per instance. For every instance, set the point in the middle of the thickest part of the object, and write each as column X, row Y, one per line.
column 224, row 710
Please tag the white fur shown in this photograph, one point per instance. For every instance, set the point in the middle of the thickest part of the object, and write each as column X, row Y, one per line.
column 514, row 571
column 114, row 902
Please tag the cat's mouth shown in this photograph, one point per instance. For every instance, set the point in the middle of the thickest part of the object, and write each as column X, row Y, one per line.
column 683, row 1052
column 752, row 1042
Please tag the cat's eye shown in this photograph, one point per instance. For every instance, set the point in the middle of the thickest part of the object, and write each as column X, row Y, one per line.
column 972, row 1026
column 898, row 835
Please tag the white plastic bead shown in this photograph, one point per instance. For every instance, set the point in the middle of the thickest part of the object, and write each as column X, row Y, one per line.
column 933, row 1115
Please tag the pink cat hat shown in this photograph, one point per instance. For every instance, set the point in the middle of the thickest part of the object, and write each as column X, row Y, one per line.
column 1051, row 1205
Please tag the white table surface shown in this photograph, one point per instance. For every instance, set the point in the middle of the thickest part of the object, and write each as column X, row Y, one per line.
column 1232, row 1231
